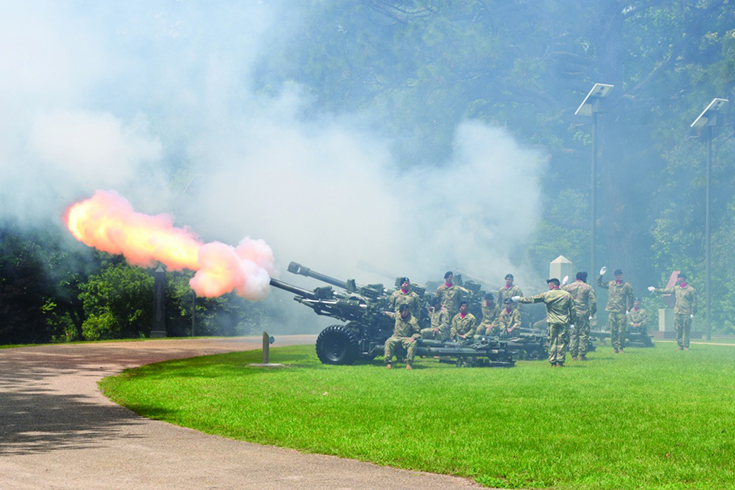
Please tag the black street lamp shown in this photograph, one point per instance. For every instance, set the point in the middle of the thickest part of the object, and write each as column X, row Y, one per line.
column 709, row 118
column 592, row 106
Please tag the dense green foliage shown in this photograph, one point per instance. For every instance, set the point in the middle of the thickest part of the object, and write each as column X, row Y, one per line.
column 652, row 419
column 426, row 65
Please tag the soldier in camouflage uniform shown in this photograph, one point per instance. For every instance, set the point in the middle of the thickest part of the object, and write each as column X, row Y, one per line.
column 450, row 294
column 464, row 324
column 405, row 296
column 440, row 325
column 585, row 306
column 490, row 312
column 405, row 333
column 638, row 318
column 559, row 314
column 509, row 290
column 684, row 309
column 619, row 302
column 508, row 323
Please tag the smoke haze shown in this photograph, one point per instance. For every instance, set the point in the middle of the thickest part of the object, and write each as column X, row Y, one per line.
column 156, row 100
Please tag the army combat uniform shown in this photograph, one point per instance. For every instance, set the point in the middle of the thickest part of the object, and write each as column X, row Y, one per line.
column 489, row 315
column 410, row 298
column 619, row 297
column 403, row 332
column 638, row 318
column 559, row 305
column 585, row 306
column 439, row 320
column 684, row 308
column 463, row 326
column 508, row 324
column 505, row 292
column 450, row 297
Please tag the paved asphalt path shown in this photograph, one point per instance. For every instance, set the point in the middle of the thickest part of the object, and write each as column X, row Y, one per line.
column 58, row 431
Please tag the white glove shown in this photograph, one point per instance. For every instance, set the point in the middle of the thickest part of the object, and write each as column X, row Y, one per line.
column 651, row 288
column 691, row 316
column 627, row 312
column 590, row 318
column 515, row 298
column 565, row 281
column 603, row 270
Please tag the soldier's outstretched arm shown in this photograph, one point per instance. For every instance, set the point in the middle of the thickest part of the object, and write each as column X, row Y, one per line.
column 600, row 283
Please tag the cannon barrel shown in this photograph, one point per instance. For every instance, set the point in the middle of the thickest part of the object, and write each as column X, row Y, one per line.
column 293, row 289
column 297, row 268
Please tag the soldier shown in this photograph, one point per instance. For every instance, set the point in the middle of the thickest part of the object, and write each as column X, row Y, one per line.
column 450, row 294
column 619, row 303
column 405, row 333
column 440, row 327
column 585, row 306
column 490, row 312
column 559, row 313
column 464, row 324
column 508, row 323
column 509, row 290
column 405, row 296
column 684, row 309
column 638, row 318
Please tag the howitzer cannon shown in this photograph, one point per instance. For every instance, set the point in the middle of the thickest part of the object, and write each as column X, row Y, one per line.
column 366, row 327
column 635, row 337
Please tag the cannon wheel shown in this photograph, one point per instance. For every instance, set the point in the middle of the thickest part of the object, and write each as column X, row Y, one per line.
column 336, row 345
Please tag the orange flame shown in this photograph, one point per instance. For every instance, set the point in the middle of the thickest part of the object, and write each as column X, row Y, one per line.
column 108, row 223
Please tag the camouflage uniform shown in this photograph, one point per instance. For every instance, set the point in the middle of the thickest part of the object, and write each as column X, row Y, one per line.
column 463, row 326
column 585, row 306
column 504, row 292
column 507, row 322
column 411, row 299
column 403, row 332
column 639, row 319
column 489, row 315
column 450, row 297
column 559, row 304
column 439, row 320
column 619, row 300
column 684, row 308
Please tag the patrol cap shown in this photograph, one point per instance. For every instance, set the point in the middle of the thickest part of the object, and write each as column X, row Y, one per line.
column 448, row 273
column 617, row 272
column 554, row 280
column 582, row 276
column 489, row 296
column 403, row 307
column 463, row 302
column 509, row 276
column 682, row 275
column 508, row 301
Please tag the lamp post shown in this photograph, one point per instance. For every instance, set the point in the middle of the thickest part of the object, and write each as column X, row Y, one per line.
column 591, row 106
column 709, row 118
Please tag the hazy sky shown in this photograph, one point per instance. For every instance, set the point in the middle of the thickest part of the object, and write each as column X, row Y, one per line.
column 155, row 100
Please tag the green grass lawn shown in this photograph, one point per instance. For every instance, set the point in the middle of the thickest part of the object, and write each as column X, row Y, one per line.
column 650, row 419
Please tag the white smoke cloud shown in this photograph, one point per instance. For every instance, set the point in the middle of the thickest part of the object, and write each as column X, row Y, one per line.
column 119, row 95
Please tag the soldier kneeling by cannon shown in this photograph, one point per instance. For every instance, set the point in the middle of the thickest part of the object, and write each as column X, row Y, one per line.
column 405, row 334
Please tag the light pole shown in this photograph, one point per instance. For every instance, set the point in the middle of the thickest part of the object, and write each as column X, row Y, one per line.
column 709, row 118
column 591, row 106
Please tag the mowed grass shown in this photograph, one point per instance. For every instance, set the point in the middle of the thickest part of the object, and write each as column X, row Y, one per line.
column 650, row 419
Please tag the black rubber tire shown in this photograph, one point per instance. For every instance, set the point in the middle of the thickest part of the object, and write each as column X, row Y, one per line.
column 336, row 345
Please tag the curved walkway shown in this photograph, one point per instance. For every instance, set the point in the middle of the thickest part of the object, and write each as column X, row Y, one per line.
column 58, row 431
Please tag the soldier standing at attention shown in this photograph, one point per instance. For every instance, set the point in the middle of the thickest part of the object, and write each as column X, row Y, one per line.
column 684, row 309
column 440, row 327
column 464, row 324
column 638, row 317
column 585, row 306
column 490, row 312
column 450, row 294
column 405, row 333
column 509, row 290
column 509, row 320
column 619, row 302
column 405, row 296
column 559, row 314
